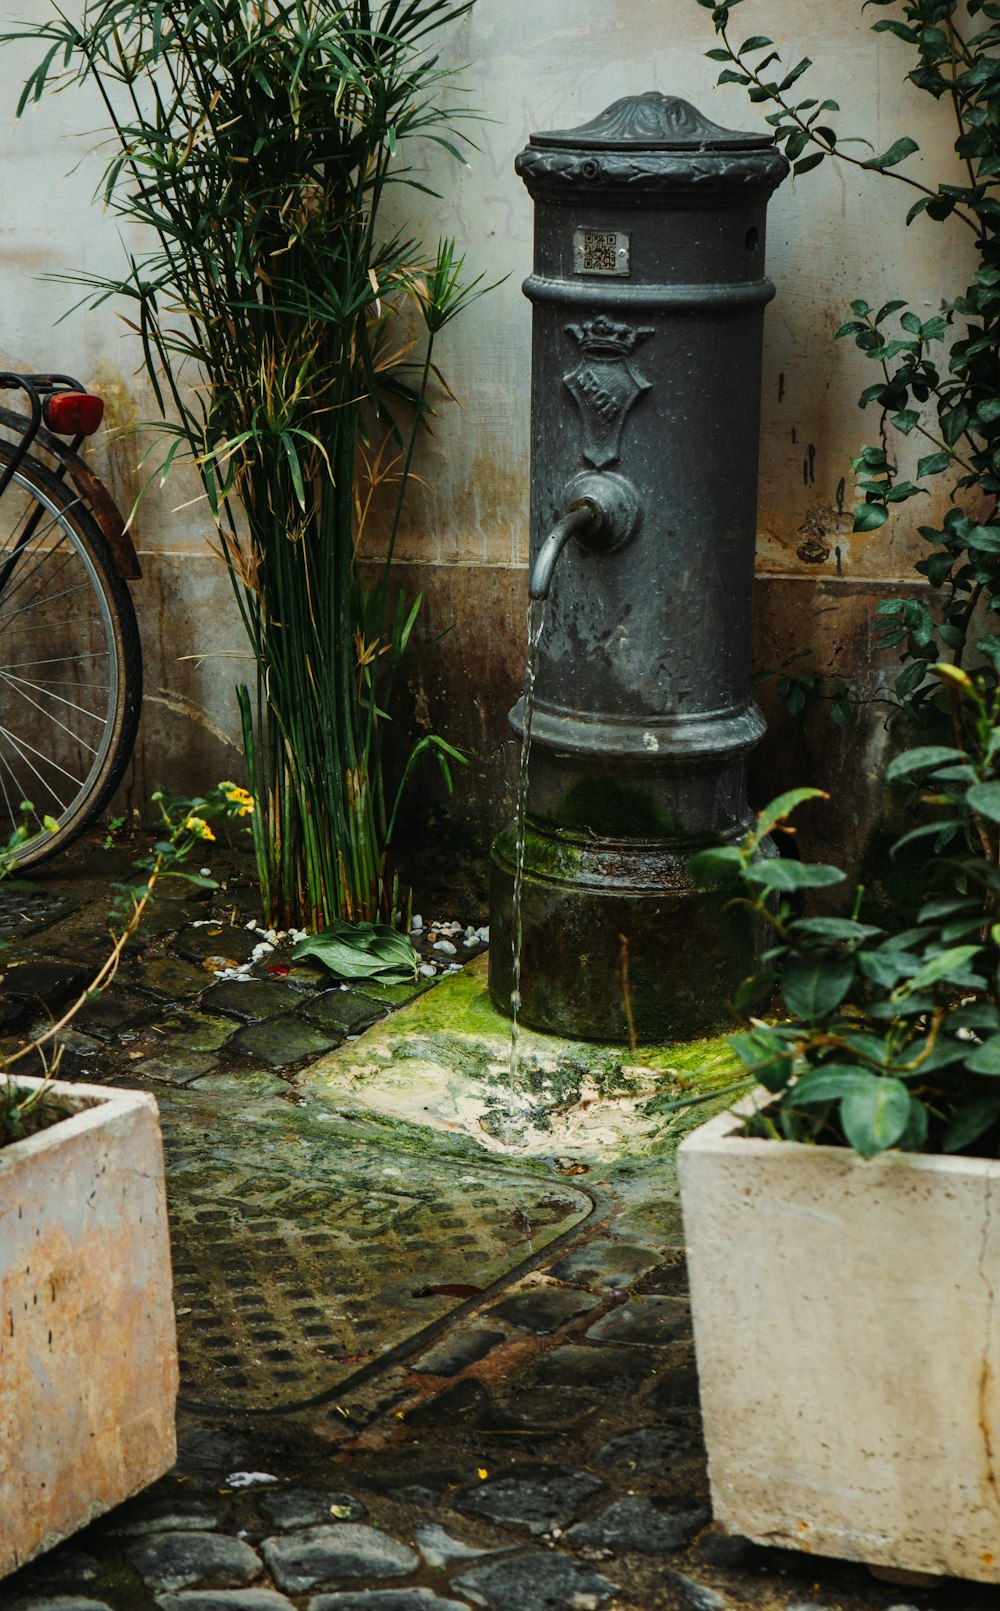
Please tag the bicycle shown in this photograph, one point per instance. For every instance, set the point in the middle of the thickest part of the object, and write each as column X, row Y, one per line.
column 70, row 657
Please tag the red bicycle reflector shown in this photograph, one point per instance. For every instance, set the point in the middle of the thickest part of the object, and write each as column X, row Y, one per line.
column 73, row 413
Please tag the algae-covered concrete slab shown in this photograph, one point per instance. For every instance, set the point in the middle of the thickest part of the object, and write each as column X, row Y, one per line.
column 444, row 1061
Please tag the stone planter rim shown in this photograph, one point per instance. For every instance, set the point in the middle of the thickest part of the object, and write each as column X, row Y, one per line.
column 719, row 1134
column 87, row 1103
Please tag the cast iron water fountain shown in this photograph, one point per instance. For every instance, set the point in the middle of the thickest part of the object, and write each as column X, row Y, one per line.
column 648, row 295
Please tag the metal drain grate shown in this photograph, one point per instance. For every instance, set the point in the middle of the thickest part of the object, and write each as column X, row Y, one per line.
column 27, row 907
column 285, row 1288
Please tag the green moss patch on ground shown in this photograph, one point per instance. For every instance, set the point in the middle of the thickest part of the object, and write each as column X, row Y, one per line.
column 443, row 1061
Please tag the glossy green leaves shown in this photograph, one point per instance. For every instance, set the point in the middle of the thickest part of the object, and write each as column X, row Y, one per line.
column 361, row 951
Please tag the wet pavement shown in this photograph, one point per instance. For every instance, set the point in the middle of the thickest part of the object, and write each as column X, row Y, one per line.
column 420, row 1371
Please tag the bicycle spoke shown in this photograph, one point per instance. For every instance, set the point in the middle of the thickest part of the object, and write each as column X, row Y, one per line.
column 11, row 544
column 70, row 670
column 13, row 816
column 53, row 719
column 50, row 598
column 39, row 556
column 26, row 758
column 58, row 660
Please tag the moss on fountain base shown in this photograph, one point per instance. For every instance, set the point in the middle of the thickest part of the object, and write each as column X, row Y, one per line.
column 442, row 1063
column 612, row 932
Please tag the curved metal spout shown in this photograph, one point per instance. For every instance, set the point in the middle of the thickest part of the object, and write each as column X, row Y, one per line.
column 578, row 520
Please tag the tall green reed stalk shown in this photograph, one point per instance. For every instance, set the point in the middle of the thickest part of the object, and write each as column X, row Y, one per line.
column 286, row 339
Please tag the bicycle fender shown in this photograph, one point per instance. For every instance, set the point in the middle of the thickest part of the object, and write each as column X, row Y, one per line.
column 108, row 516
column 94, row 493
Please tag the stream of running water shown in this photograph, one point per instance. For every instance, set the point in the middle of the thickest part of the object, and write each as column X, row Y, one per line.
column 536, row 623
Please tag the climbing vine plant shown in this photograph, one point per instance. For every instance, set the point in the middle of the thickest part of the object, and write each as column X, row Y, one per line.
column 937, row 379
column 893, row 1039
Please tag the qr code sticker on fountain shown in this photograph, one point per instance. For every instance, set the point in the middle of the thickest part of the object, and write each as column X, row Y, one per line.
column 600, row 251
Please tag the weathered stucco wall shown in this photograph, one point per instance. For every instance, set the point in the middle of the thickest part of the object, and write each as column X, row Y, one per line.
column 833, row 234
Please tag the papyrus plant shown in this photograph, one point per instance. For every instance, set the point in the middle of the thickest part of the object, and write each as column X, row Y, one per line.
column 288, row 336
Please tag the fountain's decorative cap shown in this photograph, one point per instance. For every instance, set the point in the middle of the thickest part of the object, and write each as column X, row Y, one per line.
column 652, row 122
column 651, row 143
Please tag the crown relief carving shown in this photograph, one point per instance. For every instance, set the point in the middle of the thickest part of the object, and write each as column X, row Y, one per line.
column 602, row 335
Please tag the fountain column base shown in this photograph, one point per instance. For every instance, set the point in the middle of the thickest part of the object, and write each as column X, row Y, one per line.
column 681, row 962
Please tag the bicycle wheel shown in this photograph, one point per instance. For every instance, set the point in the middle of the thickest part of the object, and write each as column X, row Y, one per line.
column 70, row 663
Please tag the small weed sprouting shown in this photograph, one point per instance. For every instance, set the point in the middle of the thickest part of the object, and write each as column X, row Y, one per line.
column 184, row 825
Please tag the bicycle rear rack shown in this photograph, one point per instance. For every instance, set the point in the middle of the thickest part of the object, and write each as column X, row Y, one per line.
column 35, row 388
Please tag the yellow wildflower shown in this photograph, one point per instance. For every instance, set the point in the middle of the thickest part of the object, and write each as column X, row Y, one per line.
column 198, row 825
column 242, row 799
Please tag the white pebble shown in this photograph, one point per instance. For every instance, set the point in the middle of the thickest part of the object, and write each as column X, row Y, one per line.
column 428, row 970
column 484, row 933
column 445, row 946
column 261, row 950
column 252, row 924
column 470, row 940
column 416, row 923
column 206, row 872
column 453, row 967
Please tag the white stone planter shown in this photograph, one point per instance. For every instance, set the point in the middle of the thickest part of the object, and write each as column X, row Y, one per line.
column 847, row 1329
column 88, row 1349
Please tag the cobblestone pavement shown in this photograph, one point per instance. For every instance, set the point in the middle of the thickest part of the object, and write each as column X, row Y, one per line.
column 512, row 1422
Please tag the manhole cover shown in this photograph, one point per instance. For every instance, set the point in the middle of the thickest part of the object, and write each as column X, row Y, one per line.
column 27, row 906
column 295, row 1268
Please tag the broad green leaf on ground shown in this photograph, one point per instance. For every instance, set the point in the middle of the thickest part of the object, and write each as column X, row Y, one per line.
column 361, row 951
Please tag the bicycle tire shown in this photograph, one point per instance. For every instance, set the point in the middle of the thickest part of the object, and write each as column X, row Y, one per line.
column 66, row 734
